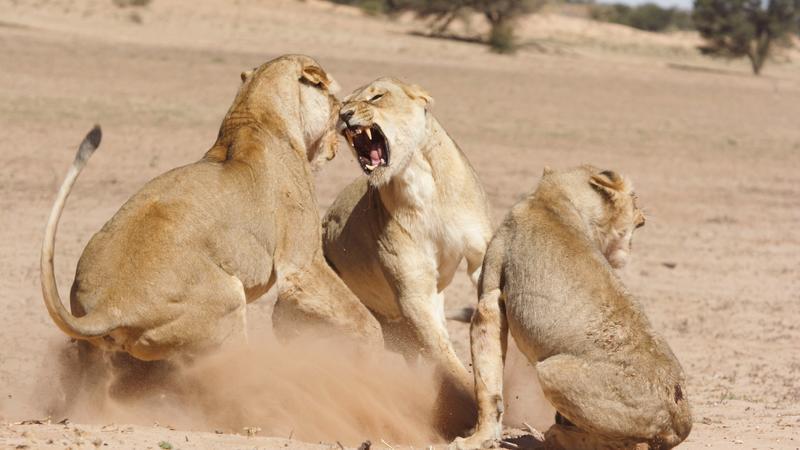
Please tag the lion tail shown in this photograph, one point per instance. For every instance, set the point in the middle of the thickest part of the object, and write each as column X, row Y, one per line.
column 76, row 327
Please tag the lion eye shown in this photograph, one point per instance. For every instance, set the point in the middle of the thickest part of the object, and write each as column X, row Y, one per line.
column 376, row 97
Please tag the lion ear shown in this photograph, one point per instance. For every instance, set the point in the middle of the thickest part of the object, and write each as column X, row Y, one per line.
column 314, row 74
column 610, row 183
column 415, row 92
column 246, row 75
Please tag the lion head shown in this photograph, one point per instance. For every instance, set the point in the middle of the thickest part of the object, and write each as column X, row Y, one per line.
column 385, row 122
column 622, row 216
column 607, row 204
column 313, row 106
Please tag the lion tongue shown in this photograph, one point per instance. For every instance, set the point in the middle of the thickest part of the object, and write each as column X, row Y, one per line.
column 375, row 156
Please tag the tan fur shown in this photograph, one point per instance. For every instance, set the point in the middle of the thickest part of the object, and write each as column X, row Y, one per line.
column 171, row 273
column 397, row 237
column 548, row 279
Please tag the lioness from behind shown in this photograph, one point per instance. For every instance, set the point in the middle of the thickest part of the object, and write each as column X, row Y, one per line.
column 171, row 273
column 548, row 278
column 397, row 236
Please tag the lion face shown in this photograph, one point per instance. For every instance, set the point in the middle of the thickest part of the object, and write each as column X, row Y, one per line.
column 619, row 218
column 385, row 122
column 319, row 109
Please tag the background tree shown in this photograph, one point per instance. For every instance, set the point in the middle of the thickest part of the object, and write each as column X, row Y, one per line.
column 501, row 15
column 443, row 12
column 736, row 28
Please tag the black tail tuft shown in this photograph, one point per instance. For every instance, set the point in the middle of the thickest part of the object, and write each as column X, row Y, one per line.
column 89, row 144
column 95, row 136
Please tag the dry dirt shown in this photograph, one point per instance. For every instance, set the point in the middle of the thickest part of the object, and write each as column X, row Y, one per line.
column 714, row 153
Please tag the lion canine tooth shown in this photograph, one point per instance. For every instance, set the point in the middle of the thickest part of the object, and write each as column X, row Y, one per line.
column 371, row 167
column 349, row 137
column 383, row 161
column 369, row 133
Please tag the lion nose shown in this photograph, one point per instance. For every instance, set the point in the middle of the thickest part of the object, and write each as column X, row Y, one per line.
column 346, row 115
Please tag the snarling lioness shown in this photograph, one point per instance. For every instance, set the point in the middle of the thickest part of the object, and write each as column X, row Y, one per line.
column 548, row 278
column 172, row 271
column 397, row 236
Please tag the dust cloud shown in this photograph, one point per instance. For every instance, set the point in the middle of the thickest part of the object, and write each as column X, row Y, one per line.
column 311, row 391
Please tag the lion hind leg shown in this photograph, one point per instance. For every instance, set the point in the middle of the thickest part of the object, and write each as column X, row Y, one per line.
column 315, row 300
column 568, row 437
column 211, row 315
column 82, row 377
column 615, row 407
column 132, row 379
column 233, row 329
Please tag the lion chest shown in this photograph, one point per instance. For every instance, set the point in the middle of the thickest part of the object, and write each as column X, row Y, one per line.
column 434, row 243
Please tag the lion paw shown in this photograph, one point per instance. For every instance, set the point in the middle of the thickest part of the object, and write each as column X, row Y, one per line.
column 474, row 442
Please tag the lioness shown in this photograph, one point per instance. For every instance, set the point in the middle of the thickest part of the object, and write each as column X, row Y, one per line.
column 171, row 272
column 397, row 236
column 548, row 278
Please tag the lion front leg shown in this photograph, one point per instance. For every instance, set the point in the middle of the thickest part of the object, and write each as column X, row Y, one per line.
column 489, row 340
column 316, row 300
column 420, row 312
column 419, row 305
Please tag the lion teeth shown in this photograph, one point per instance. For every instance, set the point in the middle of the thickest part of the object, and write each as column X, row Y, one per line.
column 349, row 137
column 383, row 161
column 369, row 133
column 371, row 167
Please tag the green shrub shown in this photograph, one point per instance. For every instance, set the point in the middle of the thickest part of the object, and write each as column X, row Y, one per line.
column 372, row 7
column 126, row 3
column 648, row 17
column 616, row 13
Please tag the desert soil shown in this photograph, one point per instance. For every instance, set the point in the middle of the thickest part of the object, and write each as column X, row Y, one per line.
column 714, row 153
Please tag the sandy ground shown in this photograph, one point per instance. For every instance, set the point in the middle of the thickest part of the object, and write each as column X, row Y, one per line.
column 714, row 153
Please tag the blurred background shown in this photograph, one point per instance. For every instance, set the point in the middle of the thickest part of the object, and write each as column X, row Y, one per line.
column 698, row 102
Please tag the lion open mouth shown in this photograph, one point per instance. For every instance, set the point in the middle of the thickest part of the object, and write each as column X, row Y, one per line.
column 370, row 146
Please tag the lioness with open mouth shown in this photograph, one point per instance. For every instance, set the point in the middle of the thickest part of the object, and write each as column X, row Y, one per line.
column 397, row 236
column 549, row 279
column 171, row 273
